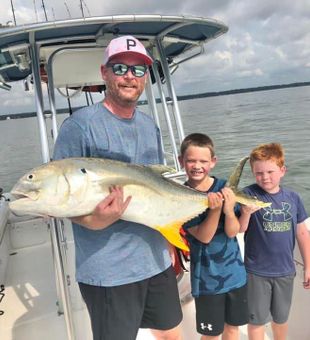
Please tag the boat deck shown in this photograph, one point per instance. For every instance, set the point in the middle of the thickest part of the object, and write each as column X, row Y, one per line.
column 30, row 299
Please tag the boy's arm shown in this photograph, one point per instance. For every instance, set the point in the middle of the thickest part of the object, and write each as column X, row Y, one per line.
column 244, row 219
column 232, row 225
column 205, row 231
column 303, row 239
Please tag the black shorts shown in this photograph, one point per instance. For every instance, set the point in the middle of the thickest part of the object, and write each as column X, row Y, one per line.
column 213, row 311
column 118, row 312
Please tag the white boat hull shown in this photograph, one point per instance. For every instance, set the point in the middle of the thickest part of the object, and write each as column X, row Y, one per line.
column 29, row 303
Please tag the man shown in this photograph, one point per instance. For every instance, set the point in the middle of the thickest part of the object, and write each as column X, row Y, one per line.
column 123, row 268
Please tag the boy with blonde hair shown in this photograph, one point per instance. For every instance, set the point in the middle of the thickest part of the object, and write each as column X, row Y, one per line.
column 269, row 243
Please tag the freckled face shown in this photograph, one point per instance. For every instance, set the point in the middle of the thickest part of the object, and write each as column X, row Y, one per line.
column 125, row 89
column 268, row 175
column 197, row 162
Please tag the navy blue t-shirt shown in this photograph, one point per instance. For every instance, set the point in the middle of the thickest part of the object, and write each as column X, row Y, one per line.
column 270, row 237
column 216, row 267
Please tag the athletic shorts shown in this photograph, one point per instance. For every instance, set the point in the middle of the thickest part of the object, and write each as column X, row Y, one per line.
column 213, row 311
column 117, row 313
column 269, row 298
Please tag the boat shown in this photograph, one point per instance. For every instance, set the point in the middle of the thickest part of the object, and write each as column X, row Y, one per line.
column 39, row 297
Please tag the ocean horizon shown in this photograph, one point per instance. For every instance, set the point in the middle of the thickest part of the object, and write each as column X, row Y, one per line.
column 4, row 116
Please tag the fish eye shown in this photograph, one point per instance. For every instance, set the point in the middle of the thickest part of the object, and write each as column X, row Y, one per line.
column 30, row 177
column 83, row 170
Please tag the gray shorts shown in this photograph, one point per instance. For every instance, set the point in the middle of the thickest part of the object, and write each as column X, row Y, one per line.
column 269, row 298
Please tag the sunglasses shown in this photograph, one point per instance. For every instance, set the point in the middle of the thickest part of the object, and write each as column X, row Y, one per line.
column 121, row 69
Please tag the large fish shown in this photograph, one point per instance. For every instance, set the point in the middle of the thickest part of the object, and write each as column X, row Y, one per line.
column 74, row 186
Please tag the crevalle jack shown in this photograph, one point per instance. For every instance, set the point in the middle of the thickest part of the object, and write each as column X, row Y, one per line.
column 74, row 186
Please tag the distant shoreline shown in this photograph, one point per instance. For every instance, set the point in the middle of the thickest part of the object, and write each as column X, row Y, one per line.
column 250, row 89
column 180, row 98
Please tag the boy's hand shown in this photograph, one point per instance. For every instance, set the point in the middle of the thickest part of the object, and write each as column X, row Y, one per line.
column 249, row 209
column 306, row 282
column 229, row 201
column 215, row 200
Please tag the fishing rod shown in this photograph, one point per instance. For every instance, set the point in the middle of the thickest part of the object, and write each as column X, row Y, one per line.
column 35, row 10
column 82, row 8
column 67, row 9
column 13, row 11
column 82, row 4
column 43, row 6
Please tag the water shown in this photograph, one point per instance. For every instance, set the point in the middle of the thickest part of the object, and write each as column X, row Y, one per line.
column 236, row 123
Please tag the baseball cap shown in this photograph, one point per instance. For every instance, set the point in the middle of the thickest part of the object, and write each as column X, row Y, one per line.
column 123, row 45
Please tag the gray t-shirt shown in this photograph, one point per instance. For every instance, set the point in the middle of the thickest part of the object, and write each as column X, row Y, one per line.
column 124, row 252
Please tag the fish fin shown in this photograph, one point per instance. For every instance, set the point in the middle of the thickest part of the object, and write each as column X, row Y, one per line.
column 234, row 178
column 171, row 232
column 250, row 200
column 161, row 169
column 241, row 197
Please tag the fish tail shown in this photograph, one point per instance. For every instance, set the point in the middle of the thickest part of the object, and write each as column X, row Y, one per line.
column 172, row 233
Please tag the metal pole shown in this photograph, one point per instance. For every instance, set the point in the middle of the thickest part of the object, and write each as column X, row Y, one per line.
column 39, row 97
column 168, row 118
column 51, row 94
column 171, row 90
column 68, row 101
column 152, row 104
column 61, row 283
column 63, row 286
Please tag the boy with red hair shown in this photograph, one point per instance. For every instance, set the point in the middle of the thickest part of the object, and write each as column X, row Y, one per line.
column 269, row 243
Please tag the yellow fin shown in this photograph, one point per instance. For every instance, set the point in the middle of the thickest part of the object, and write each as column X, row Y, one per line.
column 172, row 233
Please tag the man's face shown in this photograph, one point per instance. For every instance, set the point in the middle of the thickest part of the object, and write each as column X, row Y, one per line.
column 126, row 89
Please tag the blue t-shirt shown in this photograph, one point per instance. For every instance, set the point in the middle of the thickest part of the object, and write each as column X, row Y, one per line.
column 216, row 267
column 124, row 252
column 270, row 237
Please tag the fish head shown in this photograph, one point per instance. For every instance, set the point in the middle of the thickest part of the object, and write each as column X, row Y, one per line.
column 39, row 189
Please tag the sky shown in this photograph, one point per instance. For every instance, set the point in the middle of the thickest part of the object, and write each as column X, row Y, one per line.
column 268, row 41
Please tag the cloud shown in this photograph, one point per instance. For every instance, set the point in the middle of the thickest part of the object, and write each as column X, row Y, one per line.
column 267, row 42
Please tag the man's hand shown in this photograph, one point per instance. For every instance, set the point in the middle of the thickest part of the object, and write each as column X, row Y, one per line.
column 108, row 211
column 113, row 206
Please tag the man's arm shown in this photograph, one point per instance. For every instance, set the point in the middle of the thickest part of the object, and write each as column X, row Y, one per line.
column 108, row 211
